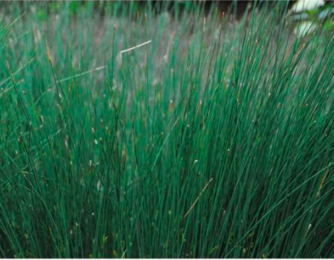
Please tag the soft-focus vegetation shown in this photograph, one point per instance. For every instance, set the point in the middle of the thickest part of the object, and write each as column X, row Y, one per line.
column 216, row 139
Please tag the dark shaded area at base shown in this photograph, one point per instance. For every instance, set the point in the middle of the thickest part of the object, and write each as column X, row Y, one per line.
column 238, row 6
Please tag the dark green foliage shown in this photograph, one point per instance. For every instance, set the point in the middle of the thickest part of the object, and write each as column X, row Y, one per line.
column 214, row 140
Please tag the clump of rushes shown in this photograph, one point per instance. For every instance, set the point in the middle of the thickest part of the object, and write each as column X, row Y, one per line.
column 216, row 139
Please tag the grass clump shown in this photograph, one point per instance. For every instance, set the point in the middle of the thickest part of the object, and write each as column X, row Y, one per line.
column 213, row 140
